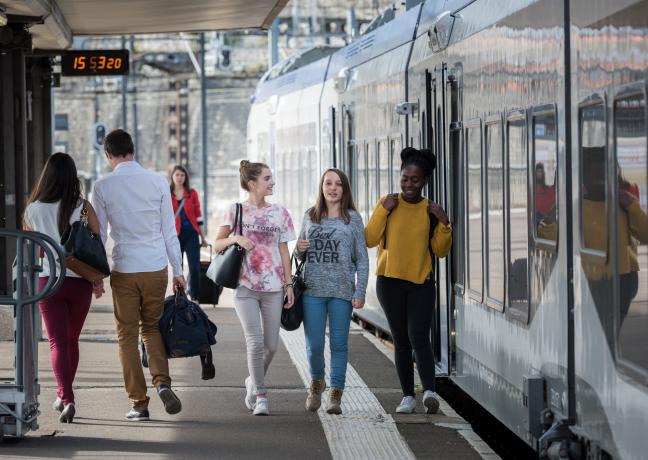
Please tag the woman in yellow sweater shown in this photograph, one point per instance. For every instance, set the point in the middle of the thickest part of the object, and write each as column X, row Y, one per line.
column 401, row 226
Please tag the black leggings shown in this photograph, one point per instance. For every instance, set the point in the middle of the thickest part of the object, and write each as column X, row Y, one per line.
column 409, row 308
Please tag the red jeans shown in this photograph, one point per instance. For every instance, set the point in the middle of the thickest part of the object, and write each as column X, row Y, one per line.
column 64, row 314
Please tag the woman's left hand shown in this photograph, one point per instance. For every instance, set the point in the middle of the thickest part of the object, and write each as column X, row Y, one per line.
column 438, row 211
column 357, row 303
column 290, row 298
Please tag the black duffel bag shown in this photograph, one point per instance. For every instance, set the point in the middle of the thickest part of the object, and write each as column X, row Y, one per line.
column 291, row 318
column 186, row 330
column 225, row 267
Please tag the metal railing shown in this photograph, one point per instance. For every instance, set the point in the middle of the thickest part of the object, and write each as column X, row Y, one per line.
column 23, row 393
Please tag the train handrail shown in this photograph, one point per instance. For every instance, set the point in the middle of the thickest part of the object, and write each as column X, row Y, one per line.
column 54, row 282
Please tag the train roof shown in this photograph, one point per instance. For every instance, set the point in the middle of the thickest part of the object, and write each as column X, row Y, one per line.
column 310, row 67
column 391, row 35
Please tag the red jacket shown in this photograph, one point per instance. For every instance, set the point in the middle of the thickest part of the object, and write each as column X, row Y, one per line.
column 191, row 209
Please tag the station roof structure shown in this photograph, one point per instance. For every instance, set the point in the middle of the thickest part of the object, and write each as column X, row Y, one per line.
column 56, row 22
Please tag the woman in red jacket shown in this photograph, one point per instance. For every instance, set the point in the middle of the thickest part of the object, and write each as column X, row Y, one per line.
column 188, row 220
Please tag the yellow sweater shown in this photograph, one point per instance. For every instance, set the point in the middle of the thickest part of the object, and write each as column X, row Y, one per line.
column 407, row 254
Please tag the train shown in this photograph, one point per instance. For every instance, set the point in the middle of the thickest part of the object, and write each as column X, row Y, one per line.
column 536, row 113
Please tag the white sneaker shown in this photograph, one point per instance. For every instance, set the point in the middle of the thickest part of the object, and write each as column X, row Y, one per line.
column 249, row 393
column 431, row 402
column 261, row 407
column 407, row 405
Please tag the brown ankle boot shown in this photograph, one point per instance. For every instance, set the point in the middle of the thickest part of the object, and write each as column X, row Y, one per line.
column 314, row 398
column 334, row 401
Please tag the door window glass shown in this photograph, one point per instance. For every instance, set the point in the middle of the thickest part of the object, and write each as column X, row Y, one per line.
column 545, row 156
column 632, row 191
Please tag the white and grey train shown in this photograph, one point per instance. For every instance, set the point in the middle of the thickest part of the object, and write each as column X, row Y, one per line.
column 536, row 111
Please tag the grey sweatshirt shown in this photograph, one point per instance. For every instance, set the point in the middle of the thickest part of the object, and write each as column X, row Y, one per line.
column 337, row 264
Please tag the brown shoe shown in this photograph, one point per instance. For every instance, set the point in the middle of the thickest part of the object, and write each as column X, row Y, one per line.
column 314, row 398
column 334, row 401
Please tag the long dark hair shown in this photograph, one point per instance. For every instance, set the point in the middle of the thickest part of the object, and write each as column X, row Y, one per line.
column 320, row 210
column 186, row 182
column 59, row 182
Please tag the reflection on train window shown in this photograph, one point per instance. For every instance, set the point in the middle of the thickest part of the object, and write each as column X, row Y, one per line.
column 518, row 286
column 474, row 205
column 383, row 165
column 495, row 212
column 372, row 171
column 396, row 164
column 593, row 184
column 361, row 181
column 594, row 214
column 632, row 183
column 545, row 157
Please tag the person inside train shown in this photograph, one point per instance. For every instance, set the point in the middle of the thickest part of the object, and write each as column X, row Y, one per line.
column 332, row 243
column 188, row 223
column 265, row 275
column 632, row 226
column 56, row 202
column 408, row 228
column 545, row 195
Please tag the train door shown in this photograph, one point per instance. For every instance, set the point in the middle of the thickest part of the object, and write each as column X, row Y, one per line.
column 437, row 136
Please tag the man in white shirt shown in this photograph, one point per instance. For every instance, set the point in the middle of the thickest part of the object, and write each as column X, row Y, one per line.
column 137, row 205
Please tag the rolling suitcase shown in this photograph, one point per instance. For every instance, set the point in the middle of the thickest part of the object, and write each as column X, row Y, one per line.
column 209, row 291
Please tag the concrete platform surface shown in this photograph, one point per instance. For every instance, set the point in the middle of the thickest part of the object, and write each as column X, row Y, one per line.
column 214, row 422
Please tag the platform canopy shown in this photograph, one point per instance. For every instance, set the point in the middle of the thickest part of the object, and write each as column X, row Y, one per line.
column 64, row 19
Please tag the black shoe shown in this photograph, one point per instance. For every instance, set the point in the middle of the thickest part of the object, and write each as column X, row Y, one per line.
column 138, row 415
column 171, row 402
column 208, row 369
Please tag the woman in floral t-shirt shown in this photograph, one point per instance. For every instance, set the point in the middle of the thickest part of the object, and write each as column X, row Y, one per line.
column 265, row 275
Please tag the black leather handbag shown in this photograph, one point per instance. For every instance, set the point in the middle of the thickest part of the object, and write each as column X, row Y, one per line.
column 291, row 318
column 225, row 267
column 85, row 253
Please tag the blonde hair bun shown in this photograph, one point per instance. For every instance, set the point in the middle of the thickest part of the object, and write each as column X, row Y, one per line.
column 243, row 164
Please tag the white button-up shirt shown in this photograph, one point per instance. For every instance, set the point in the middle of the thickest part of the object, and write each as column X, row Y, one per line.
column 137, row 205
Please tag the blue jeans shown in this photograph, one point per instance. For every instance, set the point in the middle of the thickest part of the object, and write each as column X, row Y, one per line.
column 316, row 310
column 190, row 243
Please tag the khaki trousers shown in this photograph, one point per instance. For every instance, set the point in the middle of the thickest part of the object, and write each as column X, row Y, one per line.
column 138, row 299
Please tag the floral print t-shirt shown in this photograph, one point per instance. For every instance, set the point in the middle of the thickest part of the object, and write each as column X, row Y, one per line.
column 266, row 226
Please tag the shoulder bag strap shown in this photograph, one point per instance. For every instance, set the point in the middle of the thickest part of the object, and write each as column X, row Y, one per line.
column 239, row 218
column 83, row 216
column 182, row 203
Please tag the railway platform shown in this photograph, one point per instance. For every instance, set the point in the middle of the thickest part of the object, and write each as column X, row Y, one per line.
column 214, row 422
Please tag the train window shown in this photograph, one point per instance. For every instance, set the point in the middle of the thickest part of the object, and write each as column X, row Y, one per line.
column 474, row 207
column 361, row 181
column 383, row 168
column 372, row 172
column 632, row 190
column 545, row 160
column 593, row 181
column 396, row 164
column 495, row 215
column 518, row 223
column 594, row 212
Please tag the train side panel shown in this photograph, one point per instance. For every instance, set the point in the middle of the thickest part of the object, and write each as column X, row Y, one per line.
column 609, row 59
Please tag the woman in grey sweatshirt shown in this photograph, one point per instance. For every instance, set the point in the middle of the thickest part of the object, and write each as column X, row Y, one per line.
column 332, row 243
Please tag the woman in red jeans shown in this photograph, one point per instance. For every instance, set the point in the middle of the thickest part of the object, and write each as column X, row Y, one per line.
column 55, row 203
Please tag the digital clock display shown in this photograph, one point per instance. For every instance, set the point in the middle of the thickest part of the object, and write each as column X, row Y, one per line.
column 94, row 62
